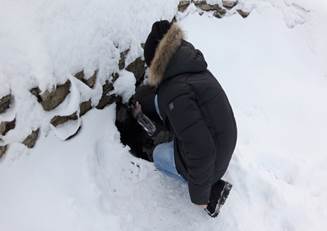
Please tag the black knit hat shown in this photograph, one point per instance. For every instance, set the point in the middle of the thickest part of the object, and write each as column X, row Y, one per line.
column 159, row 29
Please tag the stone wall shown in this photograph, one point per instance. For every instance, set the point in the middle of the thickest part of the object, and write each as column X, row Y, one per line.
column 51, row 99
column 219, row 11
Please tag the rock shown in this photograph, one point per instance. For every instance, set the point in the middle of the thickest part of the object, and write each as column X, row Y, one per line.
column 57, row 120
column 7, row 126
column 182, row 6
column 107, row 87
column 106, row 99
column 51, row 99
column 80, row 75
column 203, row 5
column 5, row 103
column 137, row 67
column 3, row 150
column 121, row 63
column 229, row 4
column 219, row 13
column 31, row 139
column 114, row 76
column 90, row 81
column 84, row 107
column 243, row 13
column 36, row 92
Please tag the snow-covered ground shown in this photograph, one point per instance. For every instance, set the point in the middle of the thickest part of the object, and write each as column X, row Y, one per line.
column 272, row 66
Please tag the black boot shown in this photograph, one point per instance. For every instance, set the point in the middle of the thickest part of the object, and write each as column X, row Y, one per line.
column 219, row 193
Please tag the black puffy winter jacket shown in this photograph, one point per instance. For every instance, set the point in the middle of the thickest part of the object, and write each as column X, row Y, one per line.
column 195, row 107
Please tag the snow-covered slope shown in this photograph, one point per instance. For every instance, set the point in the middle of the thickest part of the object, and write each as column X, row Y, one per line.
column 275, row 77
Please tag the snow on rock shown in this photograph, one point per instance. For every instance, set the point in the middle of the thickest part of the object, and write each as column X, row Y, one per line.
column 6, row 126
column 31, row 139
column 125, row 85
column 44, row 42
column 5, row 103
column 3, row 149
column 68, row 129
column 50, row 99
column 137, row 67
column 183, row 4
column 230, row 3
column 89, row 81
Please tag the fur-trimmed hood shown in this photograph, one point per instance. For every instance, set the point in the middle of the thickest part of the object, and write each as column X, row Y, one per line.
column 174, row 56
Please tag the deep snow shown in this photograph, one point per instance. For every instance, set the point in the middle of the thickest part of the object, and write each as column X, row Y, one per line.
column 275, row 77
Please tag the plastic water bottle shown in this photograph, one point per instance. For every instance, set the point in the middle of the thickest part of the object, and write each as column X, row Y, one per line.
column 146, row 123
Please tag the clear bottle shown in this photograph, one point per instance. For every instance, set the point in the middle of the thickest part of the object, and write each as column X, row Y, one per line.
column 146, row 123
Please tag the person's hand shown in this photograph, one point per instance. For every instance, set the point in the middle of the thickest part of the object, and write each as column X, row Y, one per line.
column 136, row 109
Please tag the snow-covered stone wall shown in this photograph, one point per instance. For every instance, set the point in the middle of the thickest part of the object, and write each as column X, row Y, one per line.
column 60, row 59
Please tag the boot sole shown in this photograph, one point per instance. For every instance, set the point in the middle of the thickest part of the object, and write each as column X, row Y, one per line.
column 223, row 197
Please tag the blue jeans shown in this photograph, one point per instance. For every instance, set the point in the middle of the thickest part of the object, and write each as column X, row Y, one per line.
column 163, row 158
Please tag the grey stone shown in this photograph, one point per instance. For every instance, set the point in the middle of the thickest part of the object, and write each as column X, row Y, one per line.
column 137, row 67
column 31, row 139
column 36, row 92
column 107, row 87
column 114, row 76
column 243, row 13
column 6, row 126
column 80, row 75
column 229, row 4
column 57, row 120
column 84, row 107
column 106, row 99
column 5, row 103
column 90, row 82
column 203, row 5
column 3, row 150
column 219, row 13
column 51, row 99
column 182, row 6
column 121, row 63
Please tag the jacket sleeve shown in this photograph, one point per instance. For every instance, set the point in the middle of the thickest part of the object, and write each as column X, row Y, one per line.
column 187, row 122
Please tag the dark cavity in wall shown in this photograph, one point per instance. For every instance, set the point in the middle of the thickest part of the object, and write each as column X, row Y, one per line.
column 132, row 134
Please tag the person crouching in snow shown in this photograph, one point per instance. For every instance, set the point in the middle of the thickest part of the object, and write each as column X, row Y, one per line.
column 193, row 105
